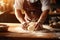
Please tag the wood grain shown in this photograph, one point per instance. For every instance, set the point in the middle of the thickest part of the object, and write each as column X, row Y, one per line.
column 24, row 33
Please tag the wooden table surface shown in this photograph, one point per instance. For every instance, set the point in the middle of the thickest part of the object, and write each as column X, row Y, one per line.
column 14, row 33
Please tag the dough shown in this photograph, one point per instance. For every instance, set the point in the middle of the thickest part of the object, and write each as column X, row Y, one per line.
column 30, row 27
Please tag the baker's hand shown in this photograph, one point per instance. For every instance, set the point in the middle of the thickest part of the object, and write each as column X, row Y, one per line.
column 25, row 25
column 38, row 26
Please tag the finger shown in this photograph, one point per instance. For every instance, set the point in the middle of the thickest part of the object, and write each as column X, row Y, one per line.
column 38, row 27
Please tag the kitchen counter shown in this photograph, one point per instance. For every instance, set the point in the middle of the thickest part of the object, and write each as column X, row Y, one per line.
column 27, row 35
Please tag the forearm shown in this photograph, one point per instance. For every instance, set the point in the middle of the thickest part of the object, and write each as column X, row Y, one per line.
column 19, row 15
column 43, row 17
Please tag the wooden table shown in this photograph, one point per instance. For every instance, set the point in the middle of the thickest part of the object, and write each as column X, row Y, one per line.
column 26, row 35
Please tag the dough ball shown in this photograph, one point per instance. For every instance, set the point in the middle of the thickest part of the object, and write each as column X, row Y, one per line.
column 30, row 27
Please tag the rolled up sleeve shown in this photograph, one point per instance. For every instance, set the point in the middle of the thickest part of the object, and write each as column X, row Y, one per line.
column 18, row 4
column 45, row 4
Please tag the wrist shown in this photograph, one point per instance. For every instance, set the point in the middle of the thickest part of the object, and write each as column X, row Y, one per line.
column 23, row 22
column 40, row 22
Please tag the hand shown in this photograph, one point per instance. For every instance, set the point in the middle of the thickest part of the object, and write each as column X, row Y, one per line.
column 38, row 26
column 25, row 25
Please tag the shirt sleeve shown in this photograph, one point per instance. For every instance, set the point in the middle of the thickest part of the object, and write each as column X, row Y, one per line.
column 45, row 4
column 18, row 4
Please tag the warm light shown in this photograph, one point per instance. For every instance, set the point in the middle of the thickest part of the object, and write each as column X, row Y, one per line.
column 2, row 3
column 6, row 5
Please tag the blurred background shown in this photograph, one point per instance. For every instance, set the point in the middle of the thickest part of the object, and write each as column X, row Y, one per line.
column 6, row 5
column 7, row 12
